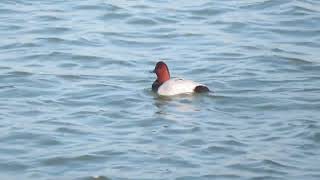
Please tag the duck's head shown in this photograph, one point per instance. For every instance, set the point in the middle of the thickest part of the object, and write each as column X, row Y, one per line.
column 162, row 72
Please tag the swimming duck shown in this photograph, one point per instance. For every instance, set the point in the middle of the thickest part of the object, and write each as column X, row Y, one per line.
column 165, row 86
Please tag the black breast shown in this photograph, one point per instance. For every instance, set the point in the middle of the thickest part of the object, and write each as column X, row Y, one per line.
column 155, row 86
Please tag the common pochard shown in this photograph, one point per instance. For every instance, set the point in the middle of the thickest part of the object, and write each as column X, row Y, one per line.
column 166, row 86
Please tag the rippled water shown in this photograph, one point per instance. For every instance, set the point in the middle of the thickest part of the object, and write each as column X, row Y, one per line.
column 76, row 100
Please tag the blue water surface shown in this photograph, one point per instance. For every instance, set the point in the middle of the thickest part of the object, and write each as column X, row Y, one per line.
column 76, row 99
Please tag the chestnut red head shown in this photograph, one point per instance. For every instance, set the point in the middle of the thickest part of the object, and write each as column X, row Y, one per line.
column 162, row 72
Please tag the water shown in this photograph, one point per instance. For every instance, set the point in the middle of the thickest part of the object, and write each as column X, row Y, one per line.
column 76, row 100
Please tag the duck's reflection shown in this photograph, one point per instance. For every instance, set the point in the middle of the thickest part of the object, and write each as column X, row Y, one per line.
column 168, row 106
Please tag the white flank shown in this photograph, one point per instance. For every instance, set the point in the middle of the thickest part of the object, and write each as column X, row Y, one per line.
column 177, row 86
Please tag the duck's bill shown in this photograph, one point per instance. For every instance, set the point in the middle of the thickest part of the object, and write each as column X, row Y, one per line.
column 152, row 71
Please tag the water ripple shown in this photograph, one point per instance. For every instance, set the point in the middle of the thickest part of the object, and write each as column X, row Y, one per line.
column 76, row 99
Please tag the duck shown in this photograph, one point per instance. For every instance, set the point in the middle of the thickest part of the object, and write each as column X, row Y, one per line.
column 166, row 86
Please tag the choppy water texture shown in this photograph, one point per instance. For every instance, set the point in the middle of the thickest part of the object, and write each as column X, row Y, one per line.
column 76, row 100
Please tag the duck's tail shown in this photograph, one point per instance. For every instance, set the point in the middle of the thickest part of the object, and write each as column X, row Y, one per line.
column 201, row 89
